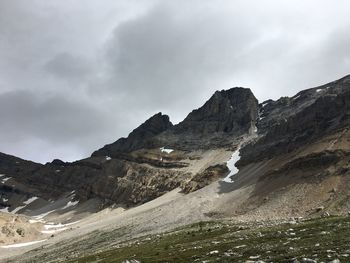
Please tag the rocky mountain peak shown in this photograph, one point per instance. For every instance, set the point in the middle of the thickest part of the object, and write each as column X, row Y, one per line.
column 138, row 137
column 227, row 111
column 227, row 115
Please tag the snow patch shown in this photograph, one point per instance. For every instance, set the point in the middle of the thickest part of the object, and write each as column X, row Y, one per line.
column 43, row 215
column 5, row 179
column 33, row 221
column 23, row 244
column 323, row 89
column 108, row 158
column 231, row 166
column 14, row 211
column 52, row 226
column 69, row 204
column 31, row 200
column 264, row 104
column 163, row 149
column 53, row 231
column 260, row 118
column 5, row 210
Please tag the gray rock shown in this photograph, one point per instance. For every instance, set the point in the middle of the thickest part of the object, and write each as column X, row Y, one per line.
column 290, row 122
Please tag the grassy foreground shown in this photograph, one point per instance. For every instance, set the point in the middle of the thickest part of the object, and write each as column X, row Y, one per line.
column 322, row 239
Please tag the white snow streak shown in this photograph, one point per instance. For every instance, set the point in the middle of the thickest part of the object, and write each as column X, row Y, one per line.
column 38, row 217
column 14, row 211
column 23, row 244
column 53, row 231
column 69, row 204
column 5, row 179
column 31, row 200
column 231, row 165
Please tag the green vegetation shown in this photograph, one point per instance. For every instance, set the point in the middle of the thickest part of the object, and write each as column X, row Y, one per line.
column 322, row 239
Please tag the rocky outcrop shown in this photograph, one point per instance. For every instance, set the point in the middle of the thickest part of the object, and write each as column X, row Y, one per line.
column 138, row 138
column 112, row 181
column 200, row 180
column 15, row 229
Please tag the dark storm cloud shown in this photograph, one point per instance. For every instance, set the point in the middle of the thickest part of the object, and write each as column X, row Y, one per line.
column 55, row 119
column 75, row 76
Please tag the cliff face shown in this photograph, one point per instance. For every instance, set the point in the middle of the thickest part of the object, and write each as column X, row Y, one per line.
column 228, row 111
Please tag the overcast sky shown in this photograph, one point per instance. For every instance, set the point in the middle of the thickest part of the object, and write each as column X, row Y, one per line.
column 77, row 74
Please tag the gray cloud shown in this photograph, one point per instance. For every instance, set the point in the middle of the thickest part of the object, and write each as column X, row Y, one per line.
column 75, row 76
column 66, row 66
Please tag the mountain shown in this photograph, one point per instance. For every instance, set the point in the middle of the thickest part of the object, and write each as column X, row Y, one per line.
column 135, row 170
column 232, row 158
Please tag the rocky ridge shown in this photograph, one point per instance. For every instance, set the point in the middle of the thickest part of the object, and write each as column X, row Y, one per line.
column 158, row 157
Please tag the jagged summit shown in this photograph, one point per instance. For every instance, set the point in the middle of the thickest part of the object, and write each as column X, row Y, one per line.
column 228, row 114
column 138, row 137
column 226, row 111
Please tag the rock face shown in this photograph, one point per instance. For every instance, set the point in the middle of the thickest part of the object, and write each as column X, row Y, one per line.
column 228, row 111
column 228, row 114
column 112, row 181
column 138, row 138
column 204, row 178
column 288, row 123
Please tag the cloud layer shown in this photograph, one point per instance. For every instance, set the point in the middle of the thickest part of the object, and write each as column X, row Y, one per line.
column 75, row 76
